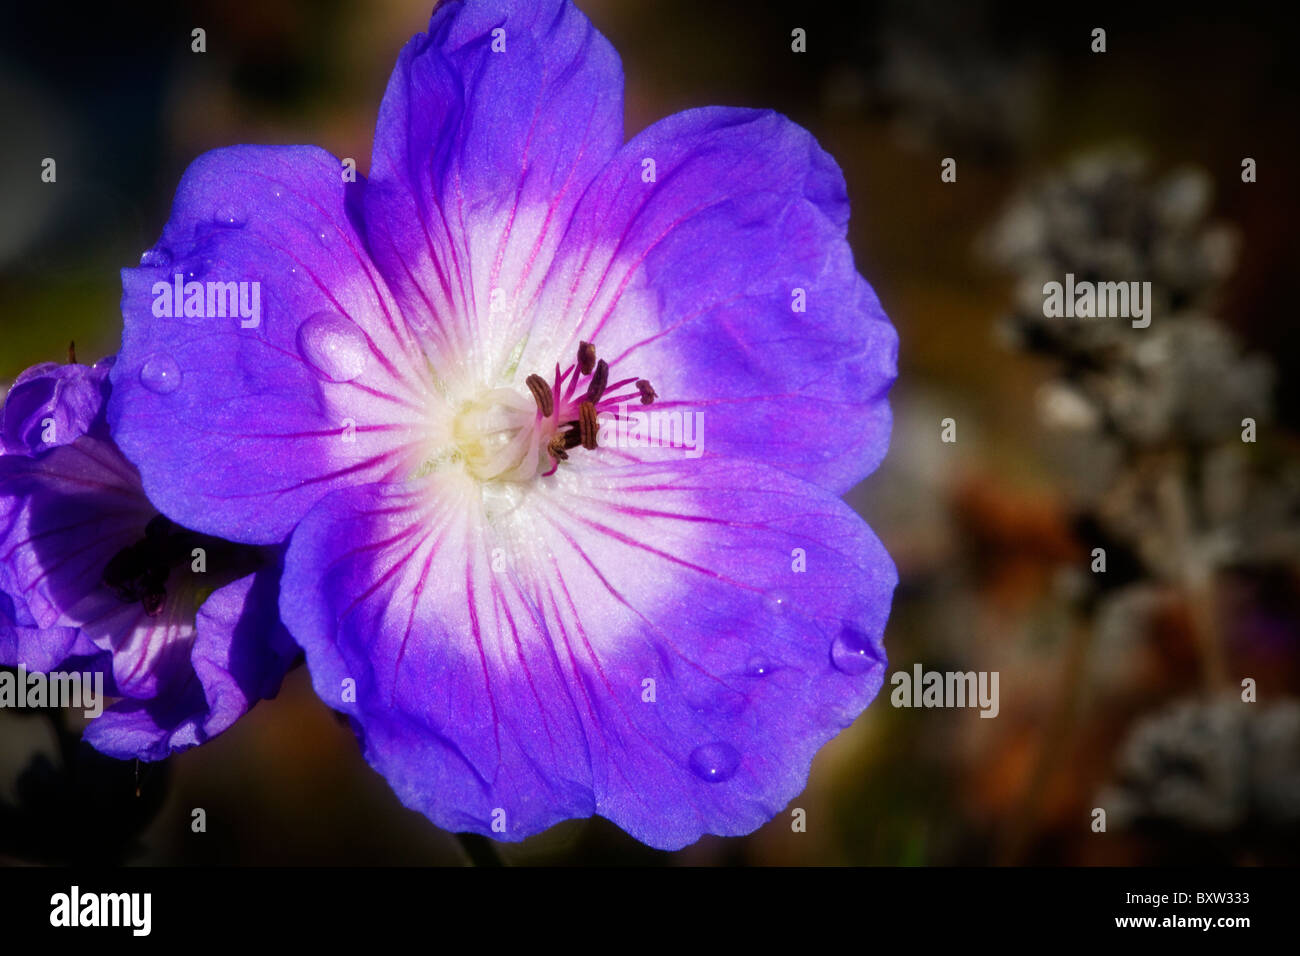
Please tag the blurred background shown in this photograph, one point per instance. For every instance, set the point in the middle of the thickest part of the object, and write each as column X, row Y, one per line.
column 1120, row 690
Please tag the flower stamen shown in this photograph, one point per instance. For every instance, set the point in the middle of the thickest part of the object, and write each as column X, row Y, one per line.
column 587, row 423
column 139, row 572
column 541, row 394
column 501, row 436
column 581, row 426
column 599, row 379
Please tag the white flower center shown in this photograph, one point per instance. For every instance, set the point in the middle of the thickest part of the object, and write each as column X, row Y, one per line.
column 500, row 436
column 506, row 436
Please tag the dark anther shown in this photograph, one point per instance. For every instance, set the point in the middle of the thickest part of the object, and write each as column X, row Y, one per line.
column 599, row 379
column 72, row 352
column 153, row 602
column 584, row 430
column 139, row 572
column 124, row 570
column 541, row 394
column 587, row 422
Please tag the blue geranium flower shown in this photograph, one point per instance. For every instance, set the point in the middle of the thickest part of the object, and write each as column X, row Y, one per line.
column 528, row 608
column 181, row 628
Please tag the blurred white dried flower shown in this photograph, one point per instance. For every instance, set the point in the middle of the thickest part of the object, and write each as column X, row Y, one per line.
column 1105, row 218
column 1210, row 766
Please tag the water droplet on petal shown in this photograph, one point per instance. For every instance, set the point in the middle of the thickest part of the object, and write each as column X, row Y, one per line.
column 758, row 667
column 714, row 762
column 853, row 653
column 228, row 216
column 334, row 346
column 156, row 258
column 776, row 602
column 160, row 374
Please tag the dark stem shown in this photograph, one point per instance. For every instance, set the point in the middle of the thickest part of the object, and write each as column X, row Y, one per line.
column 480, row 850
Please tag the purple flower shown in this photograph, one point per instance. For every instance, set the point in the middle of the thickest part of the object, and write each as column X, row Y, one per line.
column 528, row 613
column 51, row 405
column 181, row 627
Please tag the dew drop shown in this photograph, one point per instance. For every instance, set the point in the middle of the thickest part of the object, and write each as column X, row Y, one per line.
column 758, row 667
column 157, row 257
column 228, row 216
column 160, row 374
column 714, row 762
column 334, row 346
column 853, row 653
column 776, row 602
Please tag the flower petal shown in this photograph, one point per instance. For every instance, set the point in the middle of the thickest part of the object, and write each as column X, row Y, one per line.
column 722, row 274
column 458, row 735
column 50, row 405
column 238, row 430
column 79, row 506
column 240, row 655
column 649, row 646
column 42, row 649
column 72, row 510
column 492, row 126
column 8, row 612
